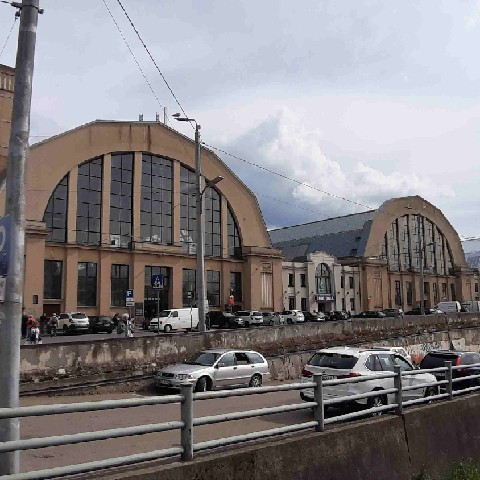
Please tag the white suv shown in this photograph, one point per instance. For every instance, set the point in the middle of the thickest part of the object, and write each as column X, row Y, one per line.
column 346, row 362
column 250, row 318
column 293, row 316
column 73, row 322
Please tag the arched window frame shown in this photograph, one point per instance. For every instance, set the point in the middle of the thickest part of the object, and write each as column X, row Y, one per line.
column 56, row 212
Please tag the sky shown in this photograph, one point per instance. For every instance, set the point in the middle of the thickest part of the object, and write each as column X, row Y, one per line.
column 363, row 100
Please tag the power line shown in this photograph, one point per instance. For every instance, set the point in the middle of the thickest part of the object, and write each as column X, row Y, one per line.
column 153, row 60
column 8, row 36
column 131, row 52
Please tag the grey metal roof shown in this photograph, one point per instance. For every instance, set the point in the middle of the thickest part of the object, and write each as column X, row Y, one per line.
column 354, row 221
column 473, row 259
column 341, row 237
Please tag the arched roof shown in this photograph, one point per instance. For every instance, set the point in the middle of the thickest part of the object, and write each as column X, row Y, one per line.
column 49, row 161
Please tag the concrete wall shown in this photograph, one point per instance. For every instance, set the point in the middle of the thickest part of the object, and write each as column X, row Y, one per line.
column 427, row 439
column 144, row 354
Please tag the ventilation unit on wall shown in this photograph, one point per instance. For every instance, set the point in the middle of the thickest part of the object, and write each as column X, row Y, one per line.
column 115, row 240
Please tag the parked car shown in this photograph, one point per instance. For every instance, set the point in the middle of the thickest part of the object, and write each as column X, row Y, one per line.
column 393, row 312
column 100, row 324
column 314, row 317
column 250, row 317
column 225, row 320
column 272, row 318
column 73, row 322
column 293, row 316
column 438, row 358
column 370, row 314
column 428, row 311
column 210, row 369
column 339, row 315
column 346, row 362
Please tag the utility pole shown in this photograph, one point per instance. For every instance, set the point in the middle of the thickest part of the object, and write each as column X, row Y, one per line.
column 200, row 280
column 420, row 259
column 11, row 310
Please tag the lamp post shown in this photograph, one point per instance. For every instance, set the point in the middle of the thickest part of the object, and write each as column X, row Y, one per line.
column 200, row 189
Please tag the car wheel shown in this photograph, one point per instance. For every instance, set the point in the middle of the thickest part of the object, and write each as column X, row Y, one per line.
column 201, row 385
column 144, row 326
column 378, row 401
column 430, row 392
column 272, row 323
column 247, row 324
column 109, row 331
column 289, row 321
column 256, row 381
column 65, row 330
column 167, row 328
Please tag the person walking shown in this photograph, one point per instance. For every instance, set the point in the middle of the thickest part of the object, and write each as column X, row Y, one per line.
column 24, row 323
column 35, row 334
column 128, row 326
column 53, row 324
column 30, row 324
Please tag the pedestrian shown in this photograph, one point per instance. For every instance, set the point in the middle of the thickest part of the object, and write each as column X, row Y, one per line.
column 53, row 324
column 116, row 320
column 43, row 323
column 30, row 324
column 400, row 312
column 35, row 334
column 24, row 323
column 128, row 326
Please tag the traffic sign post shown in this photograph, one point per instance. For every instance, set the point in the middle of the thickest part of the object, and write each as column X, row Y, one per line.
column 129, row 298
column 157, row 284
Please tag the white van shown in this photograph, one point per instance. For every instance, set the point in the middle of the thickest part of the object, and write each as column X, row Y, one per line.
column 449, row 307
column 471, row 305
column 175, row 319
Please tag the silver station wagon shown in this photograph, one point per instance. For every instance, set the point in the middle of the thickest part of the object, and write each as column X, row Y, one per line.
column 211, row 369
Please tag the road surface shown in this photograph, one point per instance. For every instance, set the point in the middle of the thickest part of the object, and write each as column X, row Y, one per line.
column 107, row 419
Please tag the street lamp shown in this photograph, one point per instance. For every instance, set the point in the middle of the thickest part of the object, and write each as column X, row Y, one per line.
column 200, row 229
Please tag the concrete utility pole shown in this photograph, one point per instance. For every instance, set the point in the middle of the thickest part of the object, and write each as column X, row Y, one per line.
column 11, row 311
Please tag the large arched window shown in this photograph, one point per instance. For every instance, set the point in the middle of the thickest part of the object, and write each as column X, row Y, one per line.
column 89, row 203
column 323, row 279
column 188, row 216
column 407, row 237
column 234, row 242
column 156, row 200
column 55, row 215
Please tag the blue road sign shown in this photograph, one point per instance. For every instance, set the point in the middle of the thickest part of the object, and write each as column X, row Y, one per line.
column 157, row 282
column 5, row 230
column 129, row 294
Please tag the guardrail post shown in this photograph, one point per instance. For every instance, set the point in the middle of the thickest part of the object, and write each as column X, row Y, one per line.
column 397, row 383
column 318, row 410
column 449, row 378
column 186, row 413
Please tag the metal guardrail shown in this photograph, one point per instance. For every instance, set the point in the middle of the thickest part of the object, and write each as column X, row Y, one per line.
column 187, row 421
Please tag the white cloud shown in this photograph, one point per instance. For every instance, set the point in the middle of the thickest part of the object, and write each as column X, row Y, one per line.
column 473, row 20
column 283, row 144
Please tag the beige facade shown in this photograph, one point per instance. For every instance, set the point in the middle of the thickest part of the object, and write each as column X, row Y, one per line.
column 6, row 105
column 380, row 250
column 321, row 283
column 110, row 203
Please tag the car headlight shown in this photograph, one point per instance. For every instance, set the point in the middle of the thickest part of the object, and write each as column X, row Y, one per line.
column 182, row 376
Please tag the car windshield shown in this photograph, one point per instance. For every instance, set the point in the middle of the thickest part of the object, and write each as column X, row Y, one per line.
column 203, row 358
column 333, row 360
column 165, row 313
column 79, row 315
column 242, row 314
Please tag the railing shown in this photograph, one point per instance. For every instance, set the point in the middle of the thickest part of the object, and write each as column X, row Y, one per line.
column 444, row 389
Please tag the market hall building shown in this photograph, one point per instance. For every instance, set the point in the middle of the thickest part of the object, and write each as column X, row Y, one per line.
column 371, row 260
column 109, row 204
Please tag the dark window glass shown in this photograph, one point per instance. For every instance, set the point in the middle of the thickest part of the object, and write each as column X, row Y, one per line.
column 351, row 282
column 303, row 304
column 121, row 201
column 434, row 360
column 323, row 279
column 188, row 216
column 156, row 200
column 303, row 280
column 52, row 283
column 409, row 293
column 373, row 363
column 55, row 215
column 119, row 284
column 213, row 288
column 236, row 286
column 387, row 362
column 333, row 360
column 87, row 284
column 234, row 242
column 398, row 293
column 452, row 292
column 89, row 203
column 213, row 235
column 342, row 282
column 291, row 280
column 189, row 287
column 435, row 293
column 228, row 360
